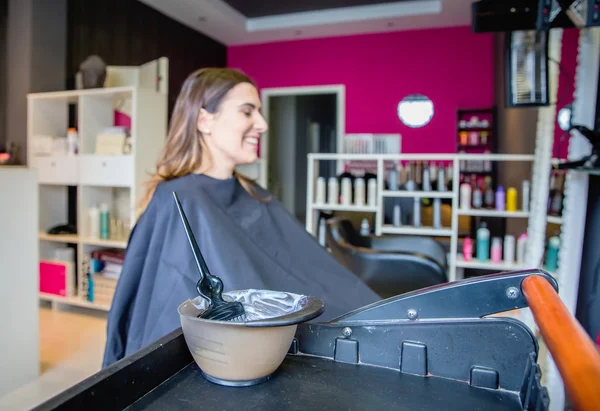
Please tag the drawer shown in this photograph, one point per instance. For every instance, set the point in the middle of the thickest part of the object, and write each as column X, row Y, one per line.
column 56, row 169
column 113, row 171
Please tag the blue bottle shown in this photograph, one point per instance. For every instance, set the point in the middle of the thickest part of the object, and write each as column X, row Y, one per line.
column 483, row 243
column 552, row 254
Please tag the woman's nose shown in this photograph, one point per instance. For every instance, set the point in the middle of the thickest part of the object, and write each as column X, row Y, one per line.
column 261, row 124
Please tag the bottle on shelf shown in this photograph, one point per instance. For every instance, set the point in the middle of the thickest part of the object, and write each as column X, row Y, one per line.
column 433, row 172
column 483, row 242
column 509, row 249
column 104, row 222
column 465, row 196
column 552, row 253
column 397, row 216
column 489, row 193
column 525, row 195
column 467, row 249
column 437, row 213
column 487, row 164
column 417, row 212
column 372, row 192
column 441, row 179
column 511, row 199
column 483, row 136
column 320, row 195
column 359, row 191
column 346, row 191
column 410, row 183
column 365, row 228
column 496, row 252
column 332, row 191
column 500, row 198
column 72, row 141
column 419, row 173
column 94, row 221
column 477, row 197
column 393, row 180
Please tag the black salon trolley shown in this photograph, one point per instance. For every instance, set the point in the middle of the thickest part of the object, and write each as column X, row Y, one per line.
column 433, row 349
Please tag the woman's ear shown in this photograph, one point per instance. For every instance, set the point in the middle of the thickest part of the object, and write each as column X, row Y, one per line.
column 204, row 122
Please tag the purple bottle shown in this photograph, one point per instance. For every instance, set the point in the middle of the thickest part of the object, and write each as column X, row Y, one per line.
column 500, row 198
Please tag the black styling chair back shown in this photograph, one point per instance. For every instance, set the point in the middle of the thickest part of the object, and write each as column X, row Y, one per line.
column 388, row 265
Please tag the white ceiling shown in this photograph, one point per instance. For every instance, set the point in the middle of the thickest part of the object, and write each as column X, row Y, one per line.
column 218, row 20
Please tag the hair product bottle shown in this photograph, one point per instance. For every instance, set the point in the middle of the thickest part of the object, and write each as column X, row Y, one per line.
column 552, row 253
column 509, row 249
column 496, row 249
column 346, row 191
column 483, row 242
column 359, row 191
column 465, row 196
column 372, row 192
column 500, row 199
column 397, row 216
column 332, row 191
column 320, row 197
column 525, row 195
column 467, row 249
column 511, row 199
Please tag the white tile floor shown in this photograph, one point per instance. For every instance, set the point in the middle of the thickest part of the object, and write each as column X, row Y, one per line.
column 71, row 348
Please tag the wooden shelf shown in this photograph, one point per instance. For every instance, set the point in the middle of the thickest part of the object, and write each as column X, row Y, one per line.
column 439, row 232
column 429, row 194
column 59, row 238
column 554, row 219
column 74, row 301
column 493, row 213
column 488, row 265
column 105, row 243
column 341, row 207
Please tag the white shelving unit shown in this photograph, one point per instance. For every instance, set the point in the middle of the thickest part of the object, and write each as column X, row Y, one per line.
column 115, row 180
column 456, row 264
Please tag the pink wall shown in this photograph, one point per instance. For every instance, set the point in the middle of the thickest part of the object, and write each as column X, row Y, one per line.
column 452, row 66
column 566, row 86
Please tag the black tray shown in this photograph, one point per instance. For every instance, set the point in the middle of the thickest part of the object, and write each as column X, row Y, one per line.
column 427, row 350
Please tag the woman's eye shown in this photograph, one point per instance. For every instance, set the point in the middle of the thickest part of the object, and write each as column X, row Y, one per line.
column 247, row 113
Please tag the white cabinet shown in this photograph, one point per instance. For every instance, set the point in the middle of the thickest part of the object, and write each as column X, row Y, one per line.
column 56, row 169
column 106, row 171
column 70, row 186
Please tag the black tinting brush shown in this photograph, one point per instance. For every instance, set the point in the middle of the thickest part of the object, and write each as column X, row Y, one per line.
column 210, row 286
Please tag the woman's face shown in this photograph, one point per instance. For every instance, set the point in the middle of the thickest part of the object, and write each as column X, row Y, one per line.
column 232, row 133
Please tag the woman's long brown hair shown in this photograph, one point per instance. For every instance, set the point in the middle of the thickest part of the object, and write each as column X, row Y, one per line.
column 182, row 153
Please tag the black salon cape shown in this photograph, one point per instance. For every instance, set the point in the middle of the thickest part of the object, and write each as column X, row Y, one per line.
column 248, row 244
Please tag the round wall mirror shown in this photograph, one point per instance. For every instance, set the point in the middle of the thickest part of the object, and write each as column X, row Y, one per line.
column 415, row 110
column 564, row 118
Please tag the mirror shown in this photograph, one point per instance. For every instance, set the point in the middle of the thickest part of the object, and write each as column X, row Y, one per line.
column 564, row 117
column 415, row 110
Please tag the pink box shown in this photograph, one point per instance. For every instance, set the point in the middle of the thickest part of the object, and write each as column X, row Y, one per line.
column 56, row 277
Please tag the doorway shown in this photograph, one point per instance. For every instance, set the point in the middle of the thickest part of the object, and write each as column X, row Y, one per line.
column 301, row 120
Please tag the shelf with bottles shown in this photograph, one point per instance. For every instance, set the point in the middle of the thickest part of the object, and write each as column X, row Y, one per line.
column 490, row 252
column 106, row 216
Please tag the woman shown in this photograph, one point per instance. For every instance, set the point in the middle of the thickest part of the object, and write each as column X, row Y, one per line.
column 248, row 239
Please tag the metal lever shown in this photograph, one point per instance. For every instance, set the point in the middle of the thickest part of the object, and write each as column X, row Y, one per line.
column 471, row 298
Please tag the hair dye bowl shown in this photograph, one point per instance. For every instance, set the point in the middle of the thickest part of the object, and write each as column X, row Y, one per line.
column 249, row 352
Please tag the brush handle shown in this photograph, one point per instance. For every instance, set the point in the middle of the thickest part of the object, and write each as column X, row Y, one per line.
column 209, row 286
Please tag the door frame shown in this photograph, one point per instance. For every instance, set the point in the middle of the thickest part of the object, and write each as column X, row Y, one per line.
column 266, row 93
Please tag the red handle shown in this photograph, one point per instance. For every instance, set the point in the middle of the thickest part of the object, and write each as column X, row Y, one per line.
column 575, row 354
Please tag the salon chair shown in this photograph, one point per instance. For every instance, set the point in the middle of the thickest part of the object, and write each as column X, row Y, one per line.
column 389, row 265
